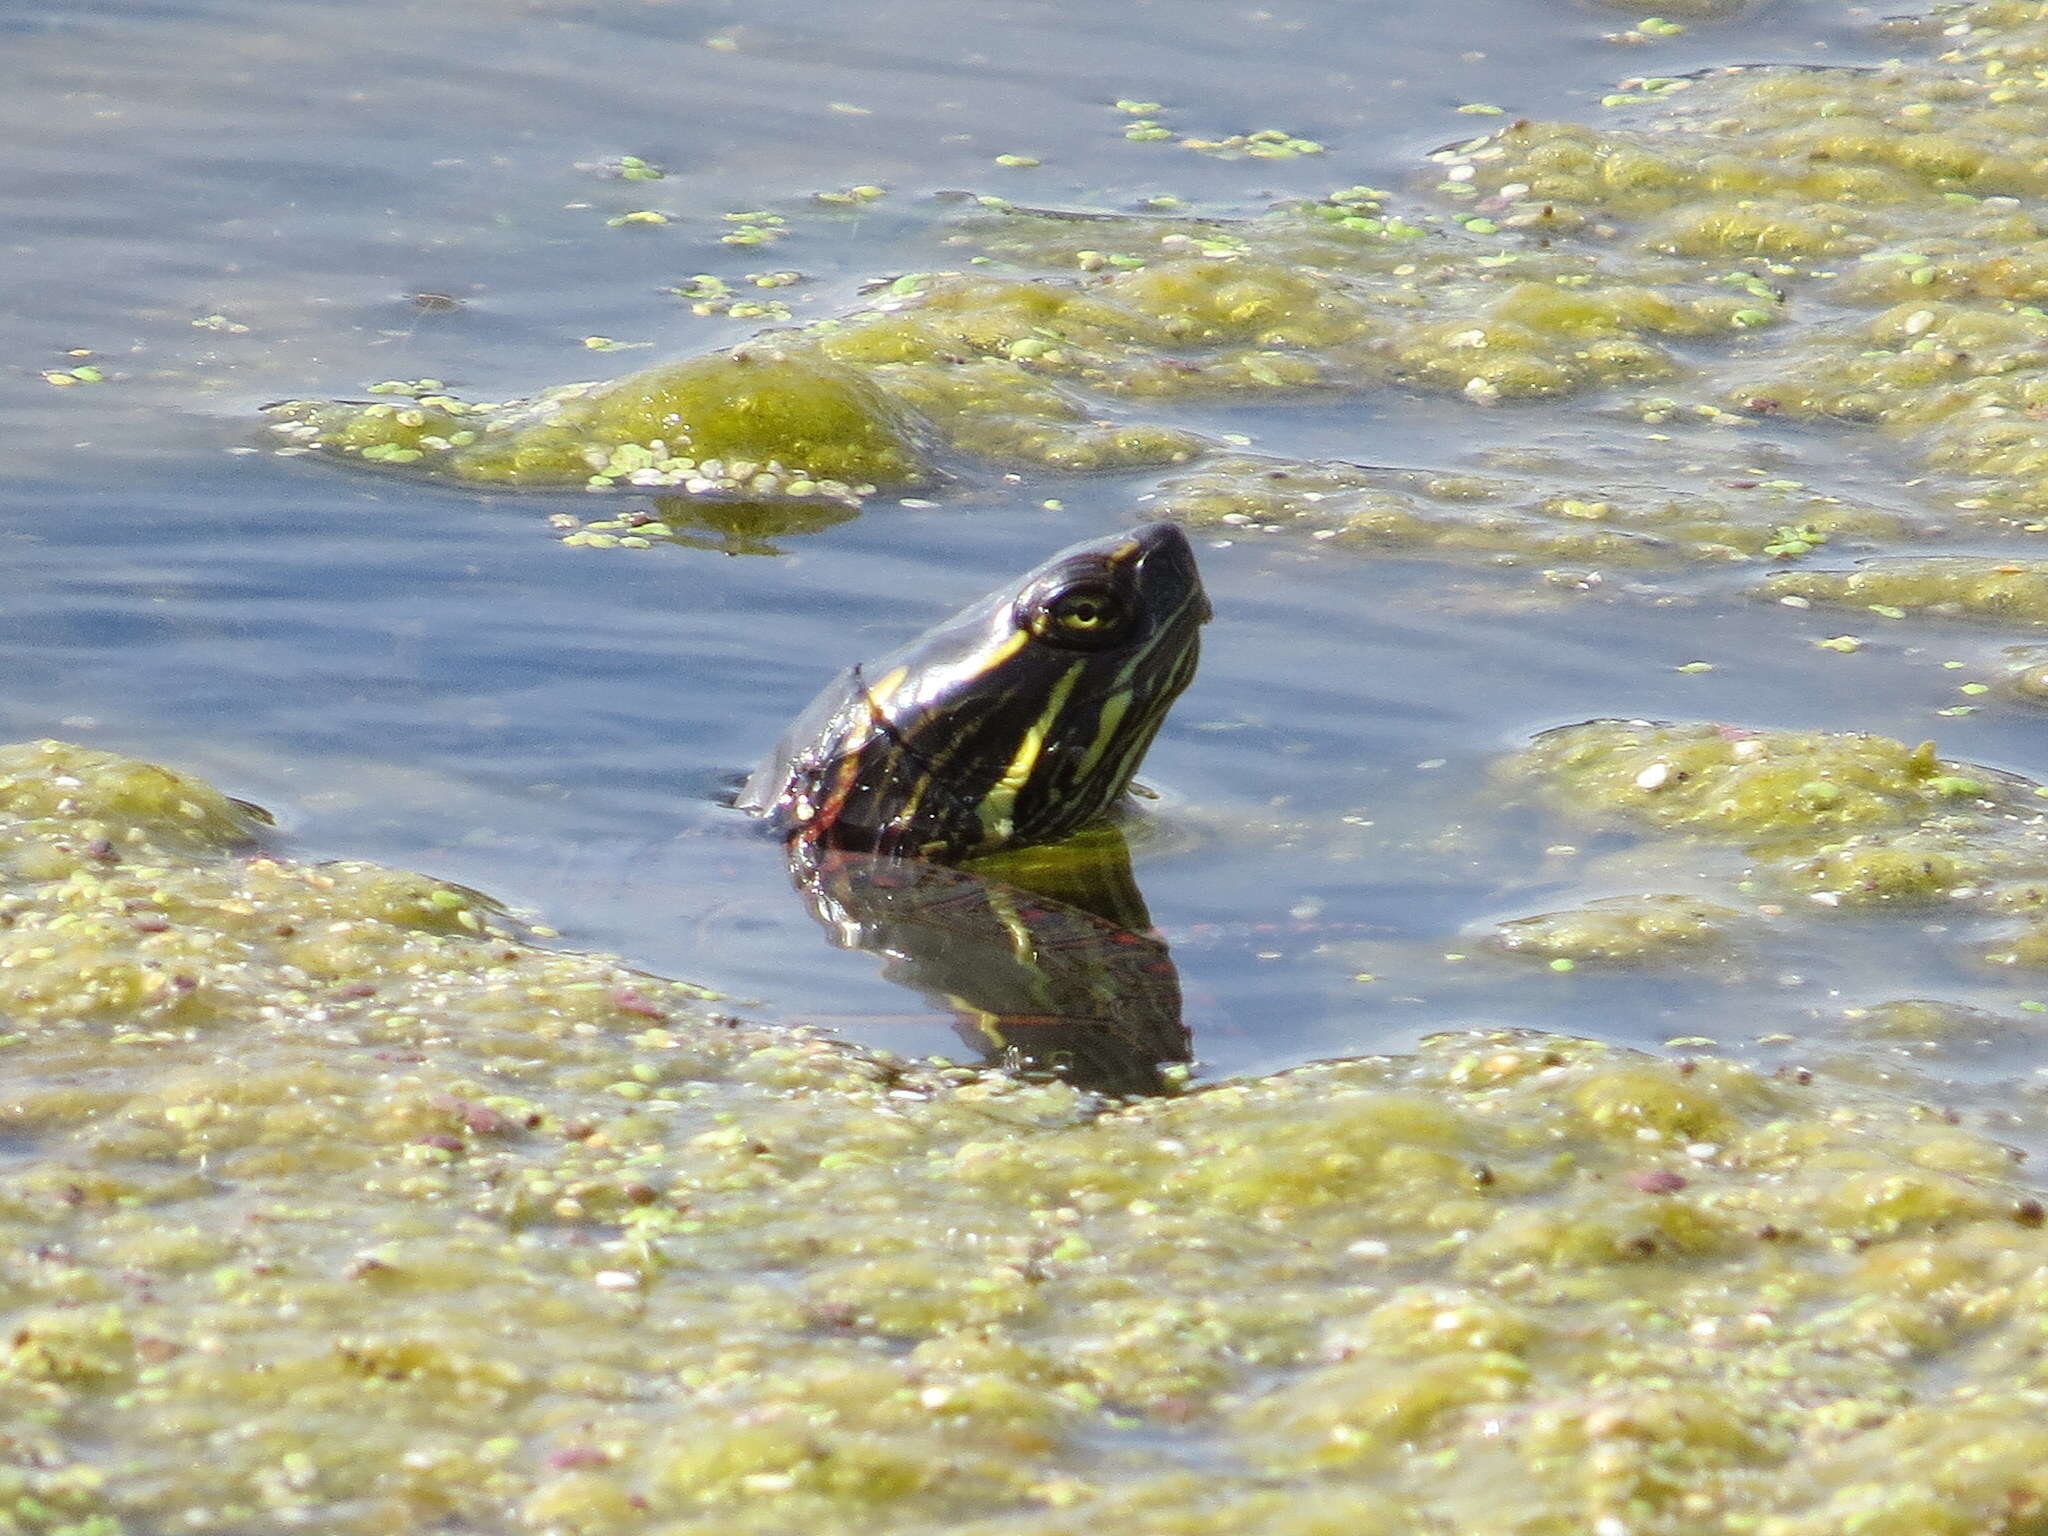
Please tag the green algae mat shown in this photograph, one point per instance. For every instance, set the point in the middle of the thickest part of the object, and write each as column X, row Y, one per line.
column 326, row 1199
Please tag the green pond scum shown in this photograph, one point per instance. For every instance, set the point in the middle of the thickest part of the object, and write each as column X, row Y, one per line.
column 2012, row 593
column 1850, row 248
column 1621, row 928
column 328, row 1200
column 1829, row 822
column 759, row 421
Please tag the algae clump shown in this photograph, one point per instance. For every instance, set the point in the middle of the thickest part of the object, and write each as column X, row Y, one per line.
column 1839, row 819
column 1528, row 504
column 1751, row 786
column 2011, row 592
column 1626, row 929
column 758, row 421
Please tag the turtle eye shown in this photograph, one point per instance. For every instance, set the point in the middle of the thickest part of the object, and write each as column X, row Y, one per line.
column 1086, row 616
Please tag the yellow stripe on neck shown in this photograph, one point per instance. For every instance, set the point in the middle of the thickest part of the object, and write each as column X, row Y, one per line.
column 998, row 809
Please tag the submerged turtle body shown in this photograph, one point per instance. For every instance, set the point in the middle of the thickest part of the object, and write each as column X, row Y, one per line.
column 1019, row 720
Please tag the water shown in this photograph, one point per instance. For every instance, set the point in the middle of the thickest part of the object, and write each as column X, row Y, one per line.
column 224, row 202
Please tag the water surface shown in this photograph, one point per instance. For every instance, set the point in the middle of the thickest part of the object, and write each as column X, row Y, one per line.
column 224, row 203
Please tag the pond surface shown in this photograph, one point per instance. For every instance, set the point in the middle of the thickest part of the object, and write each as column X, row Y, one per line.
column 219, row 204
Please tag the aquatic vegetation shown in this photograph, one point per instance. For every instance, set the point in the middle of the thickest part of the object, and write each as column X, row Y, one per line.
column 1848, row 247
column 1145, row 127
column 409, row 1222
column 1003, row 368
column 1747, row 785
column 1528, row 504
column 1629, row 929
column 1898, row 190
column 70, row 378
column 1834, row 820
column 758, row 421
column 2010, row 592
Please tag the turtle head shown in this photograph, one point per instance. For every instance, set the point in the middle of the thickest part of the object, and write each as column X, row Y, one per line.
column 1019, row 720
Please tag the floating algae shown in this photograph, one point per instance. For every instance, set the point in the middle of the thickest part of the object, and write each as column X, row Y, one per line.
column 2011, row 592
column 1749, row 787
column 758, row 421
column 409, row 1224
column 1530, row 506
column 1015, row 370
column 1627, row 929
column 1900, row 190
column 1851, row 247
column 1839, row 820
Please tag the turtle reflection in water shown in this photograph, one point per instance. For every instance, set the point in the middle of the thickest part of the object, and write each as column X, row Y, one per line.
column 1017, row 722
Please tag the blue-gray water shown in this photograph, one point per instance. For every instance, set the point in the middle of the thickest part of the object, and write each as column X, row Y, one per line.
column 224, row 202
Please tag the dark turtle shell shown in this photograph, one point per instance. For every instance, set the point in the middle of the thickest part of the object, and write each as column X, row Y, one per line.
column 1019, row 720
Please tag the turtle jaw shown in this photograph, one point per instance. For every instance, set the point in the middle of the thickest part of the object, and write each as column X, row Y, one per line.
column 1167, row 576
